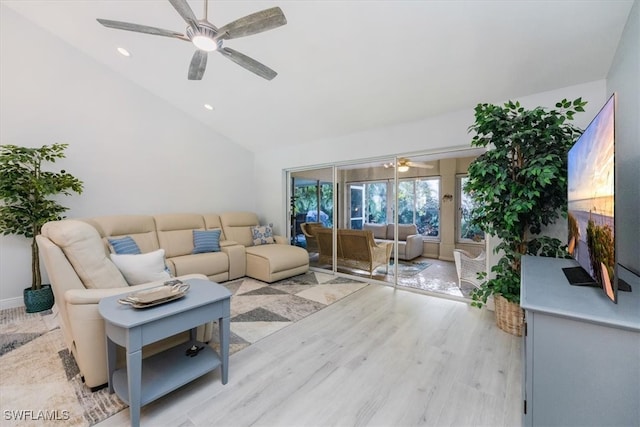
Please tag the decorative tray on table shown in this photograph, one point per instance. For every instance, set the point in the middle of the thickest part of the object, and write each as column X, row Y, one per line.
column 170, row 291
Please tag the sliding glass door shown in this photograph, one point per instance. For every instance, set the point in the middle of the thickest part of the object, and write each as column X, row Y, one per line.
column 311, row 211
column 410, row 205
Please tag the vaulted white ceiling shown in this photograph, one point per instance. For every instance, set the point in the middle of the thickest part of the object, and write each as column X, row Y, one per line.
column 347, row 66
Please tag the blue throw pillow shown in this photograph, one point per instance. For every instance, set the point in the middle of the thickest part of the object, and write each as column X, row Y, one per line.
column 128, row 246
column 124, row 246
column 206, row 241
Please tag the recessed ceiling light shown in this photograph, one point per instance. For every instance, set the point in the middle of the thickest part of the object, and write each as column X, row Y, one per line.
column 208, row 107
column 124, row 52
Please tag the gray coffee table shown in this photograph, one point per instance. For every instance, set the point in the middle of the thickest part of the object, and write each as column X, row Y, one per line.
column 143, row 381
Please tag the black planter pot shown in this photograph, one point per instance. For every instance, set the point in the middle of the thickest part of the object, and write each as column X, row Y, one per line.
column 38, row 300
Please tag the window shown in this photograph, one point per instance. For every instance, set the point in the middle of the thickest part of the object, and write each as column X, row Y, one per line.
column 418, row 203
column 466, row 231
column 427, row 199
column 357, row 214
column 376, row 198
column 406, row 202
column 307, row 198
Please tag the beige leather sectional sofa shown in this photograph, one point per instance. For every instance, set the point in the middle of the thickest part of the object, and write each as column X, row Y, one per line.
column 409, row 241
column 76, row 254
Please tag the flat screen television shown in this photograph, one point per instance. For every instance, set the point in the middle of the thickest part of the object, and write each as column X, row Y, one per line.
column 591, row 205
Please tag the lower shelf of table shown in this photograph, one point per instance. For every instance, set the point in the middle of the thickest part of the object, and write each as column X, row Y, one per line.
column 167, row 371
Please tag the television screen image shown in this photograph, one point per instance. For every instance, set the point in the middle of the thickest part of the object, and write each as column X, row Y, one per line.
column 591, row 188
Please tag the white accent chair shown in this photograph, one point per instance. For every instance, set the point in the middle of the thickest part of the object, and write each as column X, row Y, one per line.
column 468, row 266
column 410, row 243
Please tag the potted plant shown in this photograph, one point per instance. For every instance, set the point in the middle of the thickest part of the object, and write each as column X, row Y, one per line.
column 519, row 185
column 25, row 189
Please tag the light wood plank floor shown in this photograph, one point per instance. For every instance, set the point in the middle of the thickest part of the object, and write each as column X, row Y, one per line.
column 379, row 357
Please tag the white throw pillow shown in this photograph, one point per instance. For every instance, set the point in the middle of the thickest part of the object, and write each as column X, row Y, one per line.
column 142, row 268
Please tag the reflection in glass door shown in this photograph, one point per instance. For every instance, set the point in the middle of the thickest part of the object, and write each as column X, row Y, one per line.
column 312, row 210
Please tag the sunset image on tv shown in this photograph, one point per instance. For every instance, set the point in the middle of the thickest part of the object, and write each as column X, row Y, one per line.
column 591, row 197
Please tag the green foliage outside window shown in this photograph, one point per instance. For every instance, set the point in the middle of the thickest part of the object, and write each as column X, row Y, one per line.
column 428, row 207
column 468, row 230
column 418, row 203
column 306, row 200
column 376, row 198
column 406, row 204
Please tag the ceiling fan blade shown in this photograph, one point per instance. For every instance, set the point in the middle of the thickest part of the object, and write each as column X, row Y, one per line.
column 141, row 29
column 198, row 65
column 420, row 165
column 249, row 63
column 185, row 11
column 258, row 22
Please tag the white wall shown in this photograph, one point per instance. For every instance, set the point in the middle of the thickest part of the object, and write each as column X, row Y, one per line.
column 134, row 152
column 624, row 80
column 435, row 134
column 448, row 132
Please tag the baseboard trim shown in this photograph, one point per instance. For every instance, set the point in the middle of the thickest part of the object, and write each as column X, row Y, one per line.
column 11, row 303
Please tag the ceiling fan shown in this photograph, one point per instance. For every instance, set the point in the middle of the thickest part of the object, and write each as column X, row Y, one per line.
column 404, row 165
column 206, row 37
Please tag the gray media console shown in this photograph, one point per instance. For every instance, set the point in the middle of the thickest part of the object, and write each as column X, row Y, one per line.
column 581, row 351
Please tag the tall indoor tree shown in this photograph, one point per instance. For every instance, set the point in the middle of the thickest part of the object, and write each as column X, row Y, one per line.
column 519, row 185
column 26, row 191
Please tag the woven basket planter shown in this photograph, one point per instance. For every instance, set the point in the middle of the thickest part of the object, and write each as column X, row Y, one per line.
column 38, row 300
column 509, row 316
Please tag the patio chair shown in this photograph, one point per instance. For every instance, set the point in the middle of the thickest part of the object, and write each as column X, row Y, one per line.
column 309, row 230
column 468, row 266
column 356, row 250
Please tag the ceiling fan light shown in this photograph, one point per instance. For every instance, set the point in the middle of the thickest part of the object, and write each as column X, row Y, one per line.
column 204, row 43
column 403, row 168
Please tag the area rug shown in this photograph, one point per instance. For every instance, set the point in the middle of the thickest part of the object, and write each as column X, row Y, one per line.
column 40, row 383
column 407, row 268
